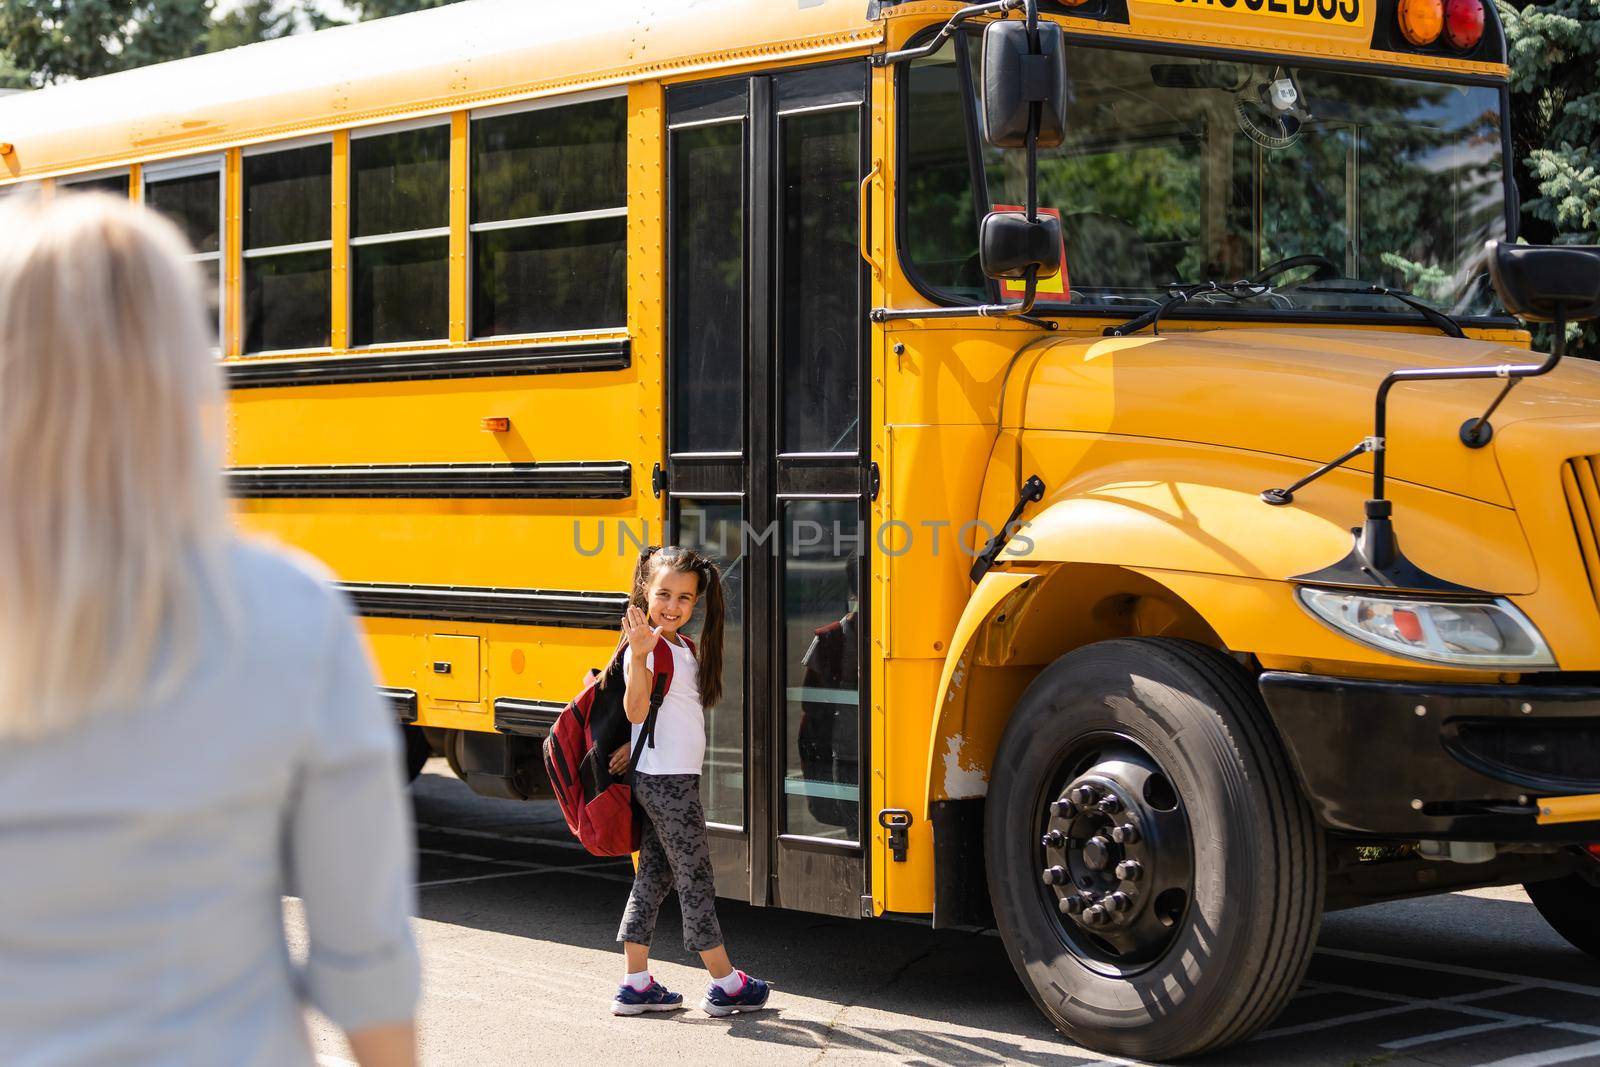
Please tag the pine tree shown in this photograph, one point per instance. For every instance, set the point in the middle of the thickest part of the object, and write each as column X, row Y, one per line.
column 1555, row 123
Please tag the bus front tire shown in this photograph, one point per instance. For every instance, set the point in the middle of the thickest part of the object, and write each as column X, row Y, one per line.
column 1158, row 753
column 1571, row 906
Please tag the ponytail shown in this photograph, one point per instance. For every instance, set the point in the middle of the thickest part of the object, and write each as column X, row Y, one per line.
column 710, row 679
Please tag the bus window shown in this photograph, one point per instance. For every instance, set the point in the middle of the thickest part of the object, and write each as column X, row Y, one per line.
column 1174, row 171
column 549, row 219
column 288, row 248
column 190, row 194
column 819, row 333
column 940, row 203
column 400, row 235
column 112, row 185
column 713, row 527
column 707, row 286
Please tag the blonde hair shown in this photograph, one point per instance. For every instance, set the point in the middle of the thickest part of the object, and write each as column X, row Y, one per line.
column 113, row 525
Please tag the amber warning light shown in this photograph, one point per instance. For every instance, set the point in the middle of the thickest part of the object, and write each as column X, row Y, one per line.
column 497, row 424
column 1460, row 22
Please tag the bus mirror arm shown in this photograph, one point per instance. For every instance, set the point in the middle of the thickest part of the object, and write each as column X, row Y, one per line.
column 997, row 7
column 1540, row 283
column 1027, row 68
column 1376, row 559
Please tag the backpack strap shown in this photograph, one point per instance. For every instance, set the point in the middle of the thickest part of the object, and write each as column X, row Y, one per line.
column 658, row 693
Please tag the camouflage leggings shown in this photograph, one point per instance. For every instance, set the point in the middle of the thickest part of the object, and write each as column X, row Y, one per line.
column 674, row 852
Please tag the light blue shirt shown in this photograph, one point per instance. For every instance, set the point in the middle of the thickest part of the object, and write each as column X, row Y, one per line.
column 144, row 853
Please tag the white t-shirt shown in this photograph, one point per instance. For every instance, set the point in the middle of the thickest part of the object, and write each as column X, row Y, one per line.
column 680, row 736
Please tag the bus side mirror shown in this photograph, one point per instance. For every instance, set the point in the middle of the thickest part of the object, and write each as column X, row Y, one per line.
column 1016, row 76
column 1547, row 283
column 1009, row 244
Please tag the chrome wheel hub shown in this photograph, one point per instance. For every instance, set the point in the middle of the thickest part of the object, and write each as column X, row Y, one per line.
column 1118, row 860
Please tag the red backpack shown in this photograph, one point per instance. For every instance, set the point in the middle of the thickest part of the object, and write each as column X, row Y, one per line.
column 598, row 806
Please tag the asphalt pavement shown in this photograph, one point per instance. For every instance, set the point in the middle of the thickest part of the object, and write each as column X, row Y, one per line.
column 516, row 925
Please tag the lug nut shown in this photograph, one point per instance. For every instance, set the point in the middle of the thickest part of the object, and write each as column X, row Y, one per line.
column 1129, row 870
column 1062, row 809
column 1126, row 834
column 1070, row 905
column 1111, row 804
column 1118, row 902
column 1084, row 796
column 1096, row 915
column 1053, row 839
column 1054, row 875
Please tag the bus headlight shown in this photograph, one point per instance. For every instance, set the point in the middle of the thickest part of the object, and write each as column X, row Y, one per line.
column 1477, row 633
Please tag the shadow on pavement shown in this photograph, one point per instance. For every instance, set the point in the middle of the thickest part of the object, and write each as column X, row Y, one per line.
column 955, row 979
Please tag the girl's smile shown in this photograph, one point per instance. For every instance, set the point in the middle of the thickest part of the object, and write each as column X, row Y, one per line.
column 671, row 599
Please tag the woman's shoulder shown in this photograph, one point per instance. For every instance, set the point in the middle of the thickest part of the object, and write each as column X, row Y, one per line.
column 283, row 589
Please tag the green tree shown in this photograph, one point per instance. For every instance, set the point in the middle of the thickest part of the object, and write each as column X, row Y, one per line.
column 377, row 9
column 48, row 41
column 55, row 40
column 257, row 20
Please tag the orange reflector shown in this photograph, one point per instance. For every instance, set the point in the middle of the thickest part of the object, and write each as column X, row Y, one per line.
column 1406, row 622
column 1463, row 23
column 497, row 424
column 1421, row 21
column 1569, row 809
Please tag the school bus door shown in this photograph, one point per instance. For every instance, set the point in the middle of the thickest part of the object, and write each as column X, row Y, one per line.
column 766, row 463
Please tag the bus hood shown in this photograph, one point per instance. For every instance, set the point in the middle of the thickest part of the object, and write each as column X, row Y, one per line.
column 1303, row 394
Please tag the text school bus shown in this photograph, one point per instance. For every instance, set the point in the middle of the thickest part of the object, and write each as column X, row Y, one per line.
column 833, row 290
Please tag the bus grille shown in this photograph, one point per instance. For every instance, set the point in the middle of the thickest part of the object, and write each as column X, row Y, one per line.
column 1580, row 481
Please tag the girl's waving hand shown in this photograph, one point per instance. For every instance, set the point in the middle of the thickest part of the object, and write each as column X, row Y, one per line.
column 637, row 629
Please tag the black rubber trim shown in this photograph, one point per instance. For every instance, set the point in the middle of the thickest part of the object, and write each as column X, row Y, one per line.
column 1370, row 764
column 525, row 718
column 404, row 701
column 521, row 607
column 603, row 480
column 430, row 365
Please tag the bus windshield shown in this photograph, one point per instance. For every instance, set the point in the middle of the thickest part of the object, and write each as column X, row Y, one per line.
column 1180, row 170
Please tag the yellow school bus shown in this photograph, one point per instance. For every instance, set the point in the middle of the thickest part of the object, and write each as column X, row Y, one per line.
column 1039, row 618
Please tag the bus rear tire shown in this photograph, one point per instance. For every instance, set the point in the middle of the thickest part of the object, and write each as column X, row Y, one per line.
column 1571, row 906
column 417, row 751
column 1205, row 938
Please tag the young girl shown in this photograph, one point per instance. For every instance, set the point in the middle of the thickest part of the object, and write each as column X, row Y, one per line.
column 666, row 586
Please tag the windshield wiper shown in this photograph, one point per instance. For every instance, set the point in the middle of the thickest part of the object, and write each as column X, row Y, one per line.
column 1182, row 294
column 1435, row 317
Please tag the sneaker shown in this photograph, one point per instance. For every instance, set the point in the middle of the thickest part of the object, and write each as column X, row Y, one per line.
column 752, row 996
column 653, row 997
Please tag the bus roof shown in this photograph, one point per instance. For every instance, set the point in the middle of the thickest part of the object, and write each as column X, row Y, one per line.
column 462, row 55
column 482, row 52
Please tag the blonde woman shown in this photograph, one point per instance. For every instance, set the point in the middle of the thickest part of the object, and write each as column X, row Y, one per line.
column 188, row 726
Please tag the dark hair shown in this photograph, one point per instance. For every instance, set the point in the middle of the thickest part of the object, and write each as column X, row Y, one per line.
column 709, row 592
